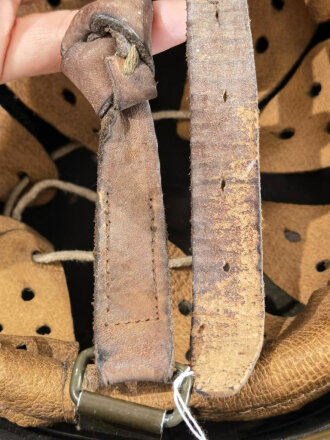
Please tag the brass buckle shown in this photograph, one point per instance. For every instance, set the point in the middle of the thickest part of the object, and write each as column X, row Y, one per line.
column 106, row 414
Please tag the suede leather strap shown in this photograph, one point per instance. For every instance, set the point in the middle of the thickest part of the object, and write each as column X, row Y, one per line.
column 132, row 318
column 228, row 300
column 132, row 313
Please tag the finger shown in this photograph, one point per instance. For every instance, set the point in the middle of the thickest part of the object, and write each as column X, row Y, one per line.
column 34, row 46
column 8, row 9
column 169, row 24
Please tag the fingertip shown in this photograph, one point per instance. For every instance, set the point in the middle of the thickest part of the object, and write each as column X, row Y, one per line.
column 169, row 24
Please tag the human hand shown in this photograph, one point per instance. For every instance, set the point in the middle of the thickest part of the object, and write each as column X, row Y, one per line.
column 30, row 45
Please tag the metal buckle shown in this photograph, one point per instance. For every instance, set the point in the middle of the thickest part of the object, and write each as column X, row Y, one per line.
column 106, row 414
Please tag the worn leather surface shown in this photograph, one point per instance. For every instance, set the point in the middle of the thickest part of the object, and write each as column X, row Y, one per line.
column 228, row 299
column 132, row 324
column 291, row 371
column 281, row 31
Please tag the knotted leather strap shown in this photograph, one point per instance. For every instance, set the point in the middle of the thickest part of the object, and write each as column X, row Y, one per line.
column 228, row 317
column 106, row 53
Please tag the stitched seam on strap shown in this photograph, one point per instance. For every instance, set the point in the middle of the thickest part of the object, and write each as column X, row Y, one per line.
column 107, row 247
column 135, row 322
column 153, row 263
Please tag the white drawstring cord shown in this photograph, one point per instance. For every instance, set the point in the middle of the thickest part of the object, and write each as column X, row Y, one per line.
column 183, row 409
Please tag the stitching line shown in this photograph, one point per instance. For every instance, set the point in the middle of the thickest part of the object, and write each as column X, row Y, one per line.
column 153, row 230
column 107, row 261
column 136, row 322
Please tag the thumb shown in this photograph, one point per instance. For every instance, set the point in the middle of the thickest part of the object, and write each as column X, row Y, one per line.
column 30, row 45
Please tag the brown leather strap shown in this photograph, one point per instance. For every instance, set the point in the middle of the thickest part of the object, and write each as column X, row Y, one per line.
column 228, row 307
column 106, row 53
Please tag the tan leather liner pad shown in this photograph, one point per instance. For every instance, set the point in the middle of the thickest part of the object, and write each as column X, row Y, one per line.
column 35, row 6
column 319, row 9
column 296, row 247
column 63, row 351
column 46, row 364
column 228, row 300
column 287, row 32
column 292, row 370
column 73, row 117
column 46, row 303
column 132, row 316
column 21, row 153
column 34, row 380
column 301, row 109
